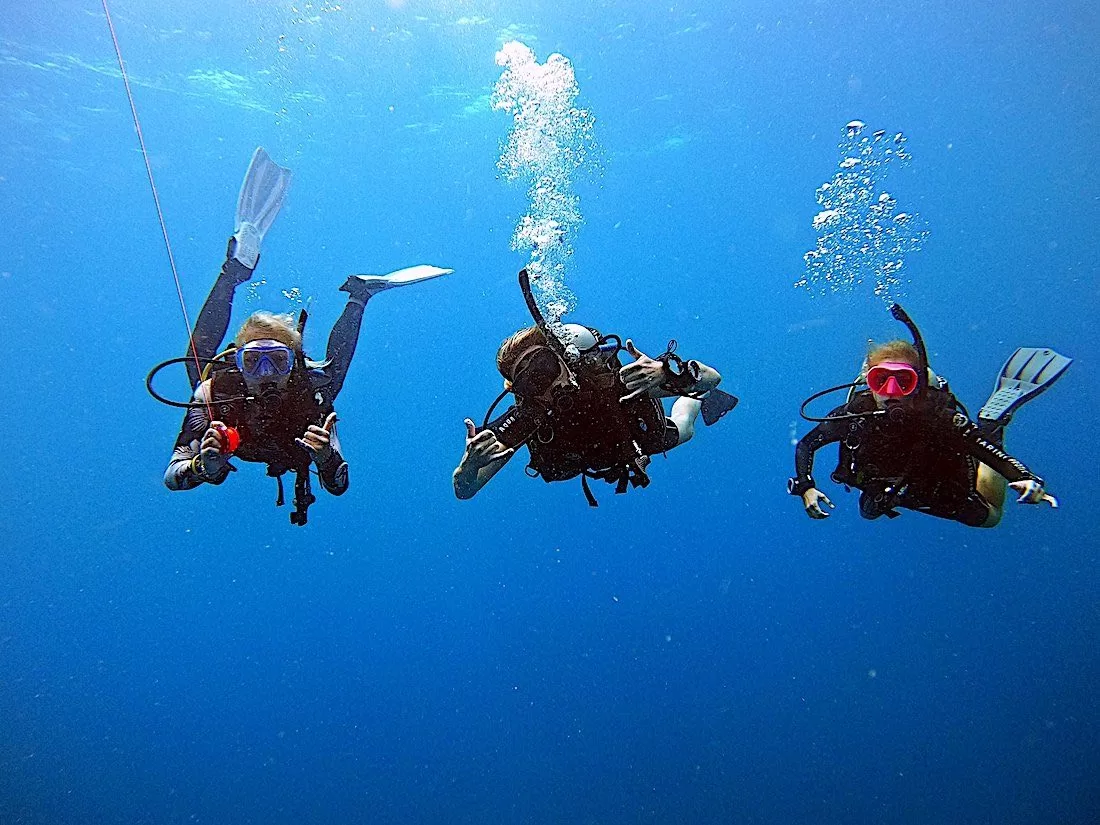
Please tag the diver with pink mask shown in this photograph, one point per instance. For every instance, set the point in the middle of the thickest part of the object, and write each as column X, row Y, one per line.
column 907, row 442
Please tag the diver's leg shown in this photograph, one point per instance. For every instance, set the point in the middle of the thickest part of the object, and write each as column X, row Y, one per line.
column 341, row 345
column 991, row 487
column 684, row 412
column 213, row 321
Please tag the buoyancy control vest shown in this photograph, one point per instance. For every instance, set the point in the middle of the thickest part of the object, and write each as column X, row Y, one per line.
column 592, row 434
column 269, row 426
column 898, row 459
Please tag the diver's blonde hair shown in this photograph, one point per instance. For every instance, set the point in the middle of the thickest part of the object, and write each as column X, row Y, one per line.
column 277, row 327
column 897, row 351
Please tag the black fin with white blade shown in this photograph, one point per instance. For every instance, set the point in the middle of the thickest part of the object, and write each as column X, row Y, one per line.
column 364, row 287
column 1029, row 372
column 716, row 404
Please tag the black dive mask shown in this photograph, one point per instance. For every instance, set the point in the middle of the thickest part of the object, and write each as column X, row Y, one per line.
column 540, row 374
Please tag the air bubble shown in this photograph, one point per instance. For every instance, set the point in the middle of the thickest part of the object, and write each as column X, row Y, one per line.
column 862, row 237
column 550, row 140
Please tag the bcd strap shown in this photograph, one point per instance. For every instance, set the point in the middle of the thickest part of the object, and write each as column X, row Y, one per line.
column 631, row 473
column 588, row 491
column 277, row 474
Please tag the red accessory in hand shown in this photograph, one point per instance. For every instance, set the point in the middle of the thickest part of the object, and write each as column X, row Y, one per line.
column 230, row 438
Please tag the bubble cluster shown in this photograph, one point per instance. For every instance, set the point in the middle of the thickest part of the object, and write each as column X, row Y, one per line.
column 255, row 293
column 549, row 141
column 862, row 237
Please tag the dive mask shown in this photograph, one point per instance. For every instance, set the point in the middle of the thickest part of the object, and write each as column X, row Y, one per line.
column 265, row 359
column 893, row 379
column 538, row 372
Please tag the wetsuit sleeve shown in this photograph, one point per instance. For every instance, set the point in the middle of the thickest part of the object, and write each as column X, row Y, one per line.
column 978, row 444
column 827, row 432
column 334, row 472
column 180, row 474
column 514, row 426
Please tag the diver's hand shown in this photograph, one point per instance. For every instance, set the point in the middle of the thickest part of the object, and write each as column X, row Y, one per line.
column 212, row 461
column 1032, row 492
column 482, row 449
column 317, row 441
column 812, row 500
column 643, row 375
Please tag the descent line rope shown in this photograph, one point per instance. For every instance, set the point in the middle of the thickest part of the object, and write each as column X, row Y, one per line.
column 156, row 201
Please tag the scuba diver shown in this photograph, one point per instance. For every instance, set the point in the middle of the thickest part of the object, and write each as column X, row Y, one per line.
column 906, row 441
column 581, row 412
column 261, row 399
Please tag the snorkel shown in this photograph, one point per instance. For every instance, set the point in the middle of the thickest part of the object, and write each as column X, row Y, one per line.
column 525, row 418
column 918, row 344
column 605, row 346
column 552, row 340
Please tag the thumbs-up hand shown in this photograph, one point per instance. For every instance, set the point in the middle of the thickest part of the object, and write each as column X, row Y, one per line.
column 317, row 441
column 643, row 375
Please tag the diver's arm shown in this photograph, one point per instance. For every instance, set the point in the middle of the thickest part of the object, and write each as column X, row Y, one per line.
column 334, row 472
column 652, row 376
column 197, row 457
column 323, row 446
column 803, row 484
column 483, row 459
column 1030, row 486
column 708, row 378
column 827, row 432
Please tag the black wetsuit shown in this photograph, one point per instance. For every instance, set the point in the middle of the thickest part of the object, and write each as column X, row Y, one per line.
column 924, row 458
column 268, row 433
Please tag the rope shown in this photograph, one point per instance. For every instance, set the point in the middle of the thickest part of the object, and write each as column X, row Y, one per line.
column 156, row 201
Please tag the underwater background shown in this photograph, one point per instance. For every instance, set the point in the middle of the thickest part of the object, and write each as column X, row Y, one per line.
column 695, row 652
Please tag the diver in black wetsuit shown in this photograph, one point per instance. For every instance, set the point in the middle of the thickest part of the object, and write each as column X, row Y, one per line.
column 581, row 412
column 907, row 443
column 278, row 403
column 261, row 400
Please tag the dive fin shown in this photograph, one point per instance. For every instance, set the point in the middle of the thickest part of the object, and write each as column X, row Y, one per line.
column 1030, row 371
column 261, row 198
column 716, row 404
column 364, row 286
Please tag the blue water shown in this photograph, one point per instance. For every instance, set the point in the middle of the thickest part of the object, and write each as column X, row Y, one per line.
column 698, row 652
